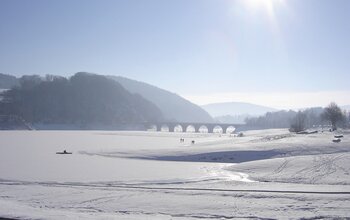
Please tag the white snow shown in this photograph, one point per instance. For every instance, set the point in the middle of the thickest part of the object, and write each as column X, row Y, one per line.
column 138, row 175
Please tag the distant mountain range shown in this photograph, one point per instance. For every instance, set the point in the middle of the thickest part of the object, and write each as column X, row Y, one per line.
column 236, row 108
column 235, row 112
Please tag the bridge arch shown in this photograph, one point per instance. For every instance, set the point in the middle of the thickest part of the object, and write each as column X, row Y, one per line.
column 230, row 129
column 218, row 129
column 203, row 129
column 190, row 128
column 178, row 128
column 164, row 128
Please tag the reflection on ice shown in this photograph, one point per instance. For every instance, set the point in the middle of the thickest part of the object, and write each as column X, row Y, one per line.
column 222, row 172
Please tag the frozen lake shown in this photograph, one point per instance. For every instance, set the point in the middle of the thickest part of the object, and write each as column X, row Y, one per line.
column 137, row 175
column 31, row 155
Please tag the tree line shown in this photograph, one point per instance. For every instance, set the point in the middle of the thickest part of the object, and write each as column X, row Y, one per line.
column 331, row 116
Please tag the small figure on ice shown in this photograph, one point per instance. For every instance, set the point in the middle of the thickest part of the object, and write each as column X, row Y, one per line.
column 64, row 152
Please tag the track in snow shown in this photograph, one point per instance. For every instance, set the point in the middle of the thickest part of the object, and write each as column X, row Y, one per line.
column 126, row 186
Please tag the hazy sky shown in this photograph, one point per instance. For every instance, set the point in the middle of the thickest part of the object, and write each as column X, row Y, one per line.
column 275, row 52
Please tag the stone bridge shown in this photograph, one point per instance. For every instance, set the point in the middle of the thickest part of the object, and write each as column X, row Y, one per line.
column 195, row 127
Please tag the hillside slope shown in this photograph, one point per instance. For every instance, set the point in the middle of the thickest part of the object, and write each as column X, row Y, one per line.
column 173, row 106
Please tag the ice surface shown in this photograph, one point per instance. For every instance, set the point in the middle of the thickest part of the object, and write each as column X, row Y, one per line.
column 138, row 175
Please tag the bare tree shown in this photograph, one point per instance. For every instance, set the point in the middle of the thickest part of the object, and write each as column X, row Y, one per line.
column 298, row 122
column 333, row 114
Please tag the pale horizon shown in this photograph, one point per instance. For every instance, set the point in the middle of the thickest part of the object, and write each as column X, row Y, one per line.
column 280, row 101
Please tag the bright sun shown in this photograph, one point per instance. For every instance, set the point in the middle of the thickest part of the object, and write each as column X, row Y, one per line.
column 265, row 5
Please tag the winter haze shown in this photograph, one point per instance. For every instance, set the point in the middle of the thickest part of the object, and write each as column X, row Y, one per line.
column 179, row 109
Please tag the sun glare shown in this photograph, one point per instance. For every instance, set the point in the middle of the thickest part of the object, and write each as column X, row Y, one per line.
column 267, row 9
column 268, row 6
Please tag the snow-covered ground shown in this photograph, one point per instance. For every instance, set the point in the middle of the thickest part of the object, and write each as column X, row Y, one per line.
column 151, row 175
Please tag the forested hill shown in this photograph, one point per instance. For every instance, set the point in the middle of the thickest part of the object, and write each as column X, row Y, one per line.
column 85, row 99
column 173, row 106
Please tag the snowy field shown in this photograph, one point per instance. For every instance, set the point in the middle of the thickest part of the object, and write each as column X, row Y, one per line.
column 267, row 174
